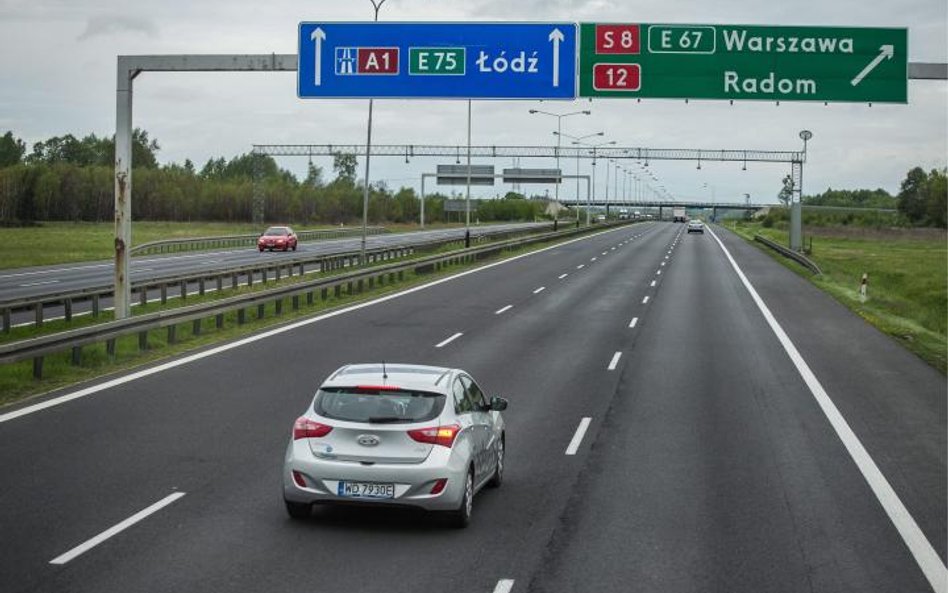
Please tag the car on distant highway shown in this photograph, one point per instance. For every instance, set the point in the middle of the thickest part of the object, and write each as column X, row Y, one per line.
column 396, row 435
column 695, row 226
column 277, row 237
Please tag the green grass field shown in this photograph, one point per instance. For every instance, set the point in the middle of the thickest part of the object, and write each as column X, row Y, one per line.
column 908, row 279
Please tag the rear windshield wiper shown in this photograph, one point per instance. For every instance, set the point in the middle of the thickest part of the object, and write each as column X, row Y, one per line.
column 386, row 419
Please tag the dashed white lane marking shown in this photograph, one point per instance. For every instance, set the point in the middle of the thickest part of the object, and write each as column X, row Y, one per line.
column 592, row 259
column 634, row 322
column 614, row 361
column 504, row 586
column 449, row 340
column 605, row 253
column 116, row 529
column 613, row 249
column 580, row 266
column 561, row 276
column 645, row 301
column 663, row 263
column 539, row 290
column 653, row 284
column 659, row 272
column 503, row 310
column 38, row 283
column 925, row 555
column 578, row 436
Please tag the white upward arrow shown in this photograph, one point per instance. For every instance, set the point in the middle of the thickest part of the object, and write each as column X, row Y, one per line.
column 556, row 36
column 885, row 53
column 318, row 36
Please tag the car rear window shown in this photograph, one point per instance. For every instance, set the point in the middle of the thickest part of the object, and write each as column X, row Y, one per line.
column 378, row 406
column 275, row 231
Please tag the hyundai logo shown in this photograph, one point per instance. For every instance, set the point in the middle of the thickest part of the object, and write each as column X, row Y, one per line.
column 368, row 440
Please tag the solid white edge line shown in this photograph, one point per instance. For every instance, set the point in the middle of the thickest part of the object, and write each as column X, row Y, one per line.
column 115, row 529
column 578, row 436
column 503, row 310
column 634, row 322
column 645, row 301
column 926, row 557
column 539, row 290
column 504, row 586
column 615, row 361
column 269, row 333
column 449, row 340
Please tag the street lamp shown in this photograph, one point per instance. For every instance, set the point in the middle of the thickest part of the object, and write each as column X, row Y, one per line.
column 594, row 148
column 376, row 4
column 559, row 132
column 577, row 140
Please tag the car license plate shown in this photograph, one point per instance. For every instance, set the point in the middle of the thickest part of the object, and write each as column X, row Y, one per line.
column 366, row 490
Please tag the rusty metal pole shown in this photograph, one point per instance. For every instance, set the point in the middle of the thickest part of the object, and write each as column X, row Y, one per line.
column 123, row 187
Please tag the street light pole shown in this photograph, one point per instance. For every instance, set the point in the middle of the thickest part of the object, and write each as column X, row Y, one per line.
column 579, row 140
column 559, row 133
column 594, row 148
column 467, row 200
column 376, row 4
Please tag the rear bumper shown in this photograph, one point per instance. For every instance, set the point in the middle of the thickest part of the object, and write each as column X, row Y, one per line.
column 413, row 482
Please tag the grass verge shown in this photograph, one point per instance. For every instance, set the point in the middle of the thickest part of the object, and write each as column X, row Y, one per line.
column 908, row 284
column 17, row 382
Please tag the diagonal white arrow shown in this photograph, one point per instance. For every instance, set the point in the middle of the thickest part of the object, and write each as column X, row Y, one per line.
column 318, row 36
column 885, row 53
column 557, row 37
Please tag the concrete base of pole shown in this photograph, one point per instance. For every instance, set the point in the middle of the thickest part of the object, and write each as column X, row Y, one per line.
column 796, row 226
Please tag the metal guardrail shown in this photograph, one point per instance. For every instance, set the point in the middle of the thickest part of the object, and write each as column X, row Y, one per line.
column 250, row 240
column 354, row 282
column 231, row 276
column 786, row 252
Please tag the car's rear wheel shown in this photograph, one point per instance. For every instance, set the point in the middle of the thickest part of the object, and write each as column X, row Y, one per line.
column 294, row 246
column 261, row 249
column 498, row 478
column 298, row 510
column 461, row 517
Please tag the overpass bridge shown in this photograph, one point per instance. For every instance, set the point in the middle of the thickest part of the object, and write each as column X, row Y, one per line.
column 666, row 205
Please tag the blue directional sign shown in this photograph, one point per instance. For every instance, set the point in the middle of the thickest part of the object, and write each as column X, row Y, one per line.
column 437, row 60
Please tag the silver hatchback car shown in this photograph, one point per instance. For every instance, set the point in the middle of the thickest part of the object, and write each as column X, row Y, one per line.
column 400, row 435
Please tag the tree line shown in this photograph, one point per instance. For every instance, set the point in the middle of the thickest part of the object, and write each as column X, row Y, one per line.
column 66, row 178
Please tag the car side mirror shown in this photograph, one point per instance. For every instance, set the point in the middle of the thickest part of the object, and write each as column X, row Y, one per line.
column 498, row 404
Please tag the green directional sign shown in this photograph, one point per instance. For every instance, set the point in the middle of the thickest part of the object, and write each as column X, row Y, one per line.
column 743, row 62
column 445, row 61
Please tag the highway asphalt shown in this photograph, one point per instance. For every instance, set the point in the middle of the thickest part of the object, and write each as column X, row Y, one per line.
column 710, row 462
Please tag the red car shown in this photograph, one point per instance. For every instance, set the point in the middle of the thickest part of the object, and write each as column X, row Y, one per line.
column 277, row 237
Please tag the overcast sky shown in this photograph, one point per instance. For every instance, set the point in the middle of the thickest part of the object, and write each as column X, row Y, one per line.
column 57, row 76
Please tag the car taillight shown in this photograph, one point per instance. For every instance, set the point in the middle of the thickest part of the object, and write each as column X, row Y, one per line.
column 439, row 485
column 304, row 428
column 436, row 435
